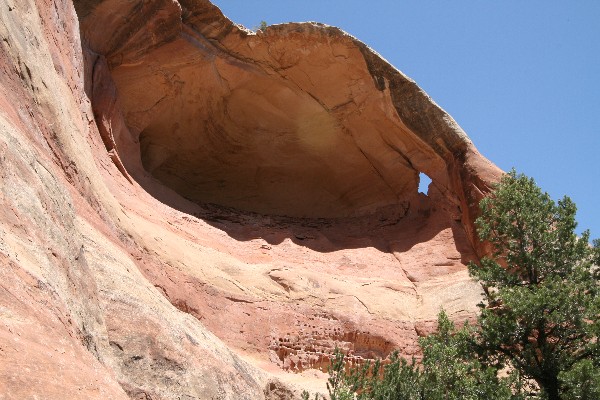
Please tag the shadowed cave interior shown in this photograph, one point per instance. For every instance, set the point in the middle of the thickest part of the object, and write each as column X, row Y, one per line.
column 281, row 157
column 268, row 180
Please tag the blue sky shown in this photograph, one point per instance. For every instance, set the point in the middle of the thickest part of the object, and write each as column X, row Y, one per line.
column 522, row 78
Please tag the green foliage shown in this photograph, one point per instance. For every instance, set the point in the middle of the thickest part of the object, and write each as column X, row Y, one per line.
column 449, row 371
column 262, row 26
column 306, row 395
column 581, row 382
column 539, row 323
column 340, row 383
column 397, row 380
column 541, row 311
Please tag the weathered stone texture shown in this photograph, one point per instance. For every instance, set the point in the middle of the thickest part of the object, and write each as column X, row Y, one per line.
column 192, row 210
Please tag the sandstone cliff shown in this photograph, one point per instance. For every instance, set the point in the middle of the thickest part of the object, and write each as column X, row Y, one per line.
column 193, row 210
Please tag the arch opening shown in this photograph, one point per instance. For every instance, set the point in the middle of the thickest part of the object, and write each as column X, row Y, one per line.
column 424, row 182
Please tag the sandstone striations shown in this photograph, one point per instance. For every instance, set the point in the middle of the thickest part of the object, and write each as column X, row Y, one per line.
column 193, row 210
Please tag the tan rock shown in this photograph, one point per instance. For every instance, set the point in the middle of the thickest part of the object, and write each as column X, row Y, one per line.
column 192, row 209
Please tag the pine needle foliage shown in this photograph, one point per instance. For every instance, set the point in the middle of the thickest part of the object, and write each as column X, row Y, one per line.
column 449, row 370
column 540, row 315
column 537, row 334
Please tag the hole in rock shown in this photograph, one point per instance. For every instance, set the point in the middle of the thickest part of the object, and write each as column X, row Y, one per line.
column 424, row 182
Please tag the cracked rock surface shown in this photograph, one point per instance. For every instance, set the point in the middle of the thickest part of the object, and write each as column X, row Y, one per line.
column 193, row 210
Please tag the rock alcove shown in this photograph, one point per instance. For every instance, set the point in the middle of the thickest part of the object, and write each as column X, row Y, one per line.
column 306, row 149
column 316, row 138
column 261, row 144
column 300, row 131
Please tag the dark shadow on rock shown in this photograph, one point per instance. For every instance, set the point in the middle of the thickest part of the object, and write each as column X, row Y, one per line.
column 391, row 229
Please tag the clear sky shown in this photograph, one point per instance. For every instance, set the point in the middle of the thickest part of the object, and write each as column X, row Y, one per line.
column 522, row 78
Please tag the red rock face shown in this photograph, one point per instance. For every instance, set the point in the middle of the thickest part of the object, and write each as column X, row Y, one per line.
column 193, row 209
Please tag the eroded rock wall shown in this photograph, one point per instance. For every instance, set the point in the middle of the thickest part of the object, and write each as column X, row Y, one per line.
column 78, row 319
column 192, row 209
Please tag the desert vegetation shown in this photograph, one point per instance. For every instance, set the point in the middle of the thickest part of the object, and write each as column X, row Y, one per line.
column 536, row 336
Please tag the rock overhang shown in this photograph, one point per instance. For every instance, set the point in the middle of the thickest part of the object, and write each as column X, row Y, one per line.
column 305, row 134
column 245, row 139
column 298, row 119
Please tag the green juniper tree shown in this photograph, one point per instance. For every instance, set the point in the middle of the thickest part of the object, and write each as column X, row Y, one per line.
column 397, row 380
column 541, row 312
column 449, row 370
column 540, row 318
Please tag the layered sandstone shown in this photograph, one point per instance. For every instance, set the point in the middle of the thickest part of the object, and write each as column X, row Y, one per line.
column 194, row 210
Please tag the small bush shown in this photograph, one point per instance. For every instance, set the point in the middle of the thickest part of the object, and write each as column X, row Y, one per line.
column 262, row 26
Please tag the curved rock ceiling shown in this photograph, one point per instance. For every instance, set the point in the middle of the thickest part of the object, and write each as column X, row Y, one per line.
column 243, row 138
column 307, row 136
column 300, row 120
